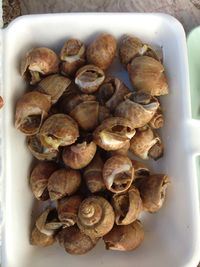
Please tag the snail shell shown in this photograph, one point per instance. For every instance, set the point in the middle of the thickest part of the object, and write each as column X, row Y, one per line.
column 158, row 120
column 39, row 61
column 147, row 74
column 104, row 113
column 72, row 56
column 58, row 130
column 39, row 151
column 39, row 179
column 112, row 92
column 54, row 86
column 76, row 242
column 40, row 239
column 89, row 78
column 79, row 155
column 95, row 216
column 86, row 115
column 31, row 109
column 125, row 237
column 93, row 175
column 118, row 173
column 141, row 170
column 131, row 47
column 48, row 222
column 68, row 210
column 138, row 107
column 113, row 133
column 146, row 144
column 101, row 51
column 127, row 206
column 45, row 229
column 122, row 151
column 63, row 183
column 153, row 191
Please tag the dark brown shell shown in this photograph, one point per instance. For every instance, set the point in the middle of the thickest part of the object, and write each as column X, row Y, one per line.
column 31, row 109
column 71, row 100
column 104, row 113
column 125, row 237
column 75, row 242
column 101, row 51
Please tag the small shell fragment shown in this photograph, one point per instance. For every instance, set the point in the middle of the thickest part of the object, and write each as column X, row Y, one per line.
column 54, row 85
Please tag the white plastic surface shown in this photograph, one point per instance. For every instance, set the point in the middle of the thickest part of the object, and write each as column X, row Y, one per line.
column 171, row 235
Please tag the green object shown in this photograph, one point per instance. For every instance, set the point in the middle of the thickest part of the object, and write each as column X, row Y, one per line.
column 193, row 43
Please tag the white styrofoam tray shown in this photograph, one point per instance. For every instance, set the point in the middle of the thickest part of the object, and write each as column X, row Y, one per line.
column 172, row 236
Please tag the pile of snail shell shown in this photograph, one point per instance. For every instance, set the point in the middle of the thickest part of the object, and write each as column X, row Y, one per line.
column 82, row 127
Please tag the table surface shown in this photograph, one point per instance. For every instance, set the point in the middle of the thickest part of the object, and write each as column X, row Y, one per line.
column 186, row 11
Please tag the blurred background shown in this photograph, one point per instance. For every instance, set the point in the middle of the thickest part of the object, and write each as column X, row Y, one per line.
column 186, row 11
